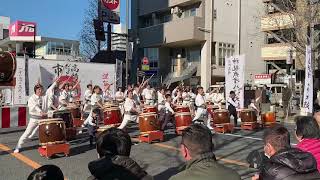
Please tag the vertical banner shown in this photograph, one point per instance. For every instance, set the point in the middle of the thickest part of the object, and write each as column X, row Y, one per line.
column 308, row 85
column 20, row 88
column 119, row 73
column 234, row 77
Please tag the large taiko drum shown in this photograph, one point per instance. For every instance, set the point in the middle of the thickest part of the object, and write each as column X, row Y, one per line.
column 150, row 109
column 112, row 115
column 180, row 109
column 211, row 109
column 8, row 66
column 148, row 122
column 52, row 131
column 248, row 115
column 75, row 112
column 65, row 115
column 183, row 119
column 268, row 118
column 111, row 104
column 221, row 116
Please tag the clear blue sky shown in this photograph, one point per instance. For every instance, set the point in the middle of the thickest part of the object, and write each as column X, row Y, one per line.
column 55, row 18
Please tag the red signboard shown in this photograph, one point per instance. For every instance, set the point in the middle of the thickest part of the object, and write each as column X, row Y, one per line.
column 22, row 28
column 111, row 4
column 145, row 61
column 262, row 79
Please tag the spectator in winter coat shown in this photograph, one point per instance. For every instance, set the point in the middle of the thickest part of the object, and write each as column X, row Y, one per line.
column 285, row 163
column 308, row 135
column 114, row 163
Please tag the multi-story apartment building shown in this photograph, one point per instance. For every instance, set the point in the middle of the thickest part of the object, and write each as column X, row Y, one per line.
column 188, row 40
column 118, row 41
column 287, row 26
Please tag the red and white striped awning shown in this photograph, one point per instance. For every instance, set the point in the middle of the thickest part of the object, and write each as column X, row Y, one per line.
column 15, row 116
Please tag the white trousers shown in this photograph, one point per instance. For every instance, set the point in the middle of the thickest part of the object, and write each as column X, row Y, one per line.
column 201, row 112
column 32, row 125
column 126, row 119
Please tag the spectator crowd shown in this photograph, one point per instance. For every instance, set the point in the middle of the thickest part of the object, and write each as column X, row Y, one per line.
column 279, row 161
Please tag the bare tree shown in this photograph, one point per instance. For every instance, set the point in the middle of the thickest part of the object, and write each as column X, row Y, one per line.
column 89, row 44
column 293, row 23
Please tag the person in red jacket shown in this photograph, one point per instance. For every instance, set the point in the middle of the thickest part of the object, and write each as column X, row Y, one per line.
column 308, row 135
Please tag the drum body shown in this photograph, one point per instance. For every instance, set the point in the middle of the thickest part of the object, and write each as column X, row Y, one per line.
column 181, row 109
column 248, row 115
column 112, row 116
column 8, row 66
column 268, row 118
column 211, row 109
column 148, row 122
column 75, row 112
column 52, row 131
column 183, row 119
column 66, row 116
column 150, row 109
column 221, row 116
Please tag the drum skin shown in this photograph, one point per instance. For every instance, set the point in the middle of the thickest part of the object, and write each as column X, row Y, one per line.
column 180, row 109
column 150, row 109
column 183, row 119
column 112, row 116
column 148, row 122
column 75, row 112
column 211, row 110
column 269, row 117
column 52, row 131
column 8, row 66
column 248, row 115
column 66, row 116
column 221, row 117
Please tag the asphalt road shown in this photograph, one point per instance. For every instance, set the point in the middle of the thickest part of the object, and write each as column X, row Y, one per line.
column 162, row 160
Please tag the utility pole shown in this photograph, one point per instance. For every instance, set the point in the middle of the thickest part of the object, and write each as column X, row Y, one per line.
column 239, row 27
column 127, row 42
column 100, row 18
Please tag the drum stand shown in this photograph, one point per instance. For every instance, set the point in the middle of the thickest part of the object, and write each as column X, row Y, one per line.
column 223, row 128
column 150, row 136
column 249, row 126
column 52, row 149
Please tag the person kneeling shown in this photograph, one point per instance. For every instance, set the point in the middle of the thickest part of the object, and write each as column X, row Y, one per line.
column 113, row 147
column 196, row 148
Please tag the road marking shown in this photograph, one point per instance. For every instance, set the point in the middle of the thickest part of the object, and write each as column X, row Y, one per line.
column 230, row 161
column 247, row 137
column 20, row 157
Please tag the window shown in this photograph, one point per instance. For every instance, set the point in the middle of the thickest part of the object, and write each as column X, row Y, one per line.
column 190, row 12
column 193, row 55
column 153, row 55
column 225, row 50
column 59, row 48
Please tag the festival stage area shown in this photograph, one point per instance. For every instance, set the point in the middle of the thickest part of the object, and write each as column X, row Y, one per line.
column 159, row 159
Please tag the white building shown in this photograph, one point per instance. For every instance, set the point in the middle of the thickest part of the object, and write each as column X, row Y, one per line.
column 118, row 42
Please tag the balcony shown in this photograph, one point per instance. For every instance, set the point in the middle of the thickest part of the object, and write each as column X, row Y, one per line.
column 278, row 51
column 181, row 32
column 277, row 21
column 150, row 6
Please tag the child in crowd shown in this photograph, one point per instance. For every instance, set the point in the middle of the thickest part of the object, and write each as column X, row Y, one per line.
column 91, row 124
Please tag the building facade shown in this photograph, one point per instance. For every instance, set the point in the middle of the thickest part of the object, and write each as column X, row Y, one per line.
column 188, row 40
column 19, row 37
column 118, row 41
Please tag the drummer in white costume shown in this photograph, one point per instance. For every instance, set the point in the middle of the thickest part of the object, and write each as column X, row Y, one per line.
column 87, row 98
column 201, row 108
column 147, row 96
column 119, row 96
column 64, row 98
column 161, row 99
column 38, row 109
column 131, row 111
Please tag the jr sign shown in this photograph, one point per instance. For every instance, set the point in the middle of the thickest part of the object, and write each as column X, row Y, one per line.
column 22, row 28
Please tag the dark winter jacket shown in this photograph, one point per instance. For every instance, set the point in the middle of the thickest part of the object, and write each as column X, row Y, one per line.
column 290, row 164
column 205, row 167
column 117, row 168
